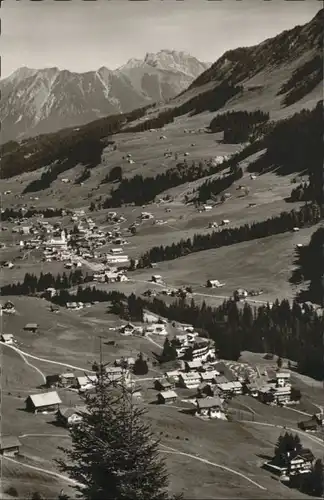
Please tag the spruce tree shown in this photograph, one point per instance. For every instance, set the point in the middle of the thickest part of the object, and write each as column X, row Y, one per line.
column 114, row 453
column 317, row 479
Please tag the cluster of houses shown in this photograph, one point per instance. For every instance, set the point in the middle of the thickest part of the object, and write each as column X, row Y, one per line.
column 273, row 392
column 211, row 387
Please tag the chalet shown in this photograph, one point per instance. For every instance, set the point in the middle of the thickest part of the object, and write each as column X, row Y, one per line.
column 292, row 463
column 208, row 377
column 116, row 251
column 163, row 385
column 156, row 329
column 282, row 395
column 31, row 327
column 211, row 407
column 117, row 259
column 240, row 294
column 46, row 402
column 213, row 284
column 7, row 338
column 52, row 381
column 9, row 446
column 165, row 397
column 230, row 388
column 116, row 373
column 127, row 329
column 67, row 417
column 310, row 425
column 8, row 307
column 282, row 379
column 195, row 365
column 67, row 379
column 172, row 376
column 146, row 216
column 190, row 380
column 156, row 278
column 86, row 382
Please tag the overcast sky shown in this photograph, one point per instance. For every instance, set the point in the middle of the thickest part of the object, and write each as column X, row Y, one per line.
column 84, row 35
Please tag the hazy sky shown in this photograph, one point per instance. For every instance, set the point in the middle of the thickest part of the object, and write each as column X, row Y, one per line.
column 83, row 35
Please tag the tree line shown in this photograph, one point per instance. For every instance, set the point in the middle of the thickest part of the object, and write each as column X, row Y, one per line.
column 238, row 125
column 211, row 100
column 303, row 80
column 21, row 213
column 310, row 268
column 139, row 190
column 295, row 145
column 309, row 214
column 35, row 284
column 302, row 192
column 214, row 187
column 290, row 331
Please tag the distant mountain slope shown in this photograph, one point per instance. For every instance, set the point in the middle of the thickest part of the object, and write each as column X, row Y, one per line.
column 283, row 71
column 46, row 100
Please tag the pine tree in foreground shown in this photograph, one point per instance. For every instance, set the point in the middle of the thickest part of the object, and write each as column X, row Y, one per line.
column 114, row 453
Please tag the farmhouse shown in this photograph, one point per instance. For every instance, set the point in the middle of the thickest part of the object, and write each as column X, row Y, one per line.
column 156, row 329
column 67, row 379
column 116, row 251
column 9, row 445
column 213, row 284
column 195, row 365
column 292, row 463
column 211, row 407
column 7, row 338
column 48, row 401
column 86, row 382
column 67, row 417
column 240, row 294
column 116, row 373
column 230, row 388
column 172, row 376
column 156, row 278
column 209, row 376
column 31, row 327
column 127, row 329
column 117, row 259
column 310, row 425
column 52, row 380
column 163, row 385
column 189, row 380
column 167, row 397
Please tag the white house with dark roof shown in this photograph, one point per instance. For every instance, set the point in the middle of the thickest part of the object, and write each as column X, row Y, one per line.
column 211, row 407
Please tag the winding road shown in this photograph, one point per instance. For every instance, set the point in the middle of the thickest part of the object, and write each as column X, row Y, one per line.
column 44, row 471
column 168, row 449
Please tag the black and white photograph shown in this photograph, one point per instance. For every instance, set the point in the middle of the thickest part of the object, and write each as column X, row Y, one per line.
column 162, row 250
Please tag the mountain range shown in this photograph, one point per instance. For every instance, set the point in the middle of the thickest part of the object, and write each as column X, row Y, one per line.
column 280, row 76
column 45, row 100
